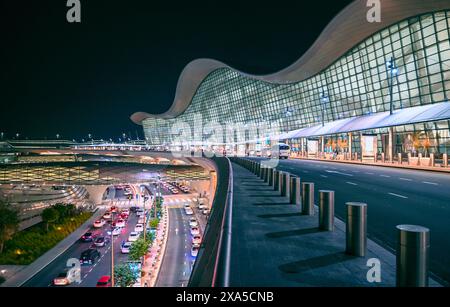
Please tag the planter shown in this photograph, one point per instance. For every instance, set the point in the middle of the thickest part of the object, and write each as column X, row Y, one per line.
column 425, row 161
column 414, row 161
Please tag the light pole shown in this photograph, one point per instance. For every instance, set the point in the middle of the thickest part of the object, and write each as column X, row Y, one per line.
column 391, row 71
column 57, row 136
column 323, row 100
column 2, row 134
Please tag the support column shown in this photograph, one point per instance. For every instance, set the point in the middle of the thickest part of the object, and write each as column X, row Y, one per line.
column 322, row 146
column 390, row 149
column 350, row 152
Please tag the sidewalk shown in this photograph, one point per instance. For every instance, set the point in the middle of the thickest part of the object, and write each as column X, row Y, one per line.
column 32, row 269
column 394, row 164
column 274, row 245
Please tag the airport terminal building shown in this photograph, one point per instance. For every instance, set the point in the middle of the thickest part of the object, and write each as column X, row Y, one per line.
column 380, row 87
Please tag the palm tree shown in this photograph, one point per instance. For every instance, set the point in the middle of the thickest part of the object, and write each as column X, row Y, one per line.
column 9, row 222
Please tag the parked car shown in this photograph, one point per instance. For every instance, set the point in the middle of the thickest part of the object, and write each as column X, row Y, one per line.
column 125, row 211
column 89, row 256
column 125, row 248
column 141, row 220
column 99, row 223
column 194, row 250
column 193, row 222
column 116, row 231
column 101, row 241
column 206, row 211
column 133, row 236
column 139, row 228
column 196, row 239
column 195, row 231
column 113, row 209
column 202, row 206
column 120, row 223
column 87, row 237
column 107, row 215
column 104, row 281
column 188, row 211
column 66, row 277
column 140, row 212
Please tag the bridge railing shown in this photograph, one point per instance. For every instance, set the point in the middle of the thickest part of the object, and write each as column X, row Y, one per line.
column 212, row 267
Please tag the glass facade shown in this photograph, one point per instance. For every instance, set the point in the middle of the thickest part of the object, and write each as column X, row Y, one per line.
column 356, row 84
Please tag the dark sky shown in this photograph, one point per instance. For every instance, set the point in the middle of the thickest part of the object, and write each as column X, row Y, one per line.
column 126, row 56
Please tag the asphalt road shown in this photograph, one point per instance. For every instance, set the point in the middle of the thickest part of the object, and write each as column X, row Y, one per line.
column 177, row 263
column 394, row 196
column 89, row 273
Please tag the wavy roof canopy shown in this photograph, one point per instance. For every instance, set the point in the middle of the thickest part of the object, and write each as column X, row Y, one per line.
column 344, row 32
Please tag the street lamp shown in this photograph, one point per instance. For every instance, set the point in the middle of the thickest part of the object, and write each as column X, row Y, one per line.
column 2, row 134
column 391, row 71
column 57, row 136
column 323, row 100
column 17, row 135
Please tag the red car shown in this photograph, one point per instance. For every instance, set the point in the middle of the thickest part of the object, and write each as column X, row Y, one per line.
column 104, row 282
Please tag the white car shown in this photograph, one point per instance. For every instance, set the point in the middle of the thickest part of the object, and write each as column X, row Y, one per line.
column 195, row 231
column 133, row 236
column 139, row 228
column 197, row 239
column 116, row 231
column 107, row 215
column 193, row 222
column 141, row 220
column 206, row 211
column 66, row 277
column 189, row 211
column 99, row 223
column 202, row 206
column 125, row 249
column 140, row 212
column 120, row 223
column 194, row 250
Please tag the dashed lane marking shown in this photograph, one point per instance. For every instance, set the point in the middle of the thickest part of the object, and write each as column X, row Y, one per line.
column 352, row 183
column 398, row 195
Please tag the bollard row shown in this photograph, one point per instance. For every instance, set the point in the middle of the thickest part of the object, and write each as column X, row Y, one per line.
column 413, row 242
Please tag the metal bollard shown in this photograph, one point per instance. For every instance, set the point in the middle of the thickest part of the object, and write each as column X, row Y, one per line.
column 261, row 171
column 286, row 184
column 326, row 210
column 445, row 159
column 412, row 256
column 356, row 229
column 271, row 176
column 295, row 191
column 308, row 198
column 399, row 158
column 266, row 174
column 276, row 180
column 280, row 181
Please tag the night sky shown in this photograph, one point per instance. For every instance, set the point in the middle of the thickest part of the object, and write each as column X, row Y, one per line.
column 126, row 56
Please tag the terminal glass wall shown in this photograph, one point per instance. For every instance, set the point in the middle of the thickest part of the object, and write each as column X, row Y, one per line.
column 356, row 84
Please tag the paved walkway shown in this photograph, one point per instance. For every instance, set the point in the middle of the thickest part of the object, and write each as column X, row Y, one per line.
column 29, row 271
column 274, row 245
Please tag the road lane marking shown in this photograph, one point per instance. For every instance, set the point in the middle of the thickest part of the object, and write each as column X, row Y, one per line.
column 385, row 176
column 405, row 179
column 432, row 183
column 398, row 195
column 340, row 173
column 369, row 173
column 352, row 183
column 323, row 176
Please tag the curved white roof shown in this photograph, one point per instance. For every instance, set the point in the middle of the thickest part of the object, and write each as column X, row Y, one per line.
column 344, row 32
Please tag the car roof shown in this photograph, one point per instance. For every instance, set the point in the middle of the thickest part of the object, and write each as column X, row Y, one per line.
column 104, row 278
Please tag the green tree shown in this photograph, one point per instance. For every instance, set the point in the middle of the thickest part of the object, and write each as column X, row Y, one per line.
column 124, row 276
column 9, row 223
column 139, row 248
column 49, row 215
column 154, row 222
